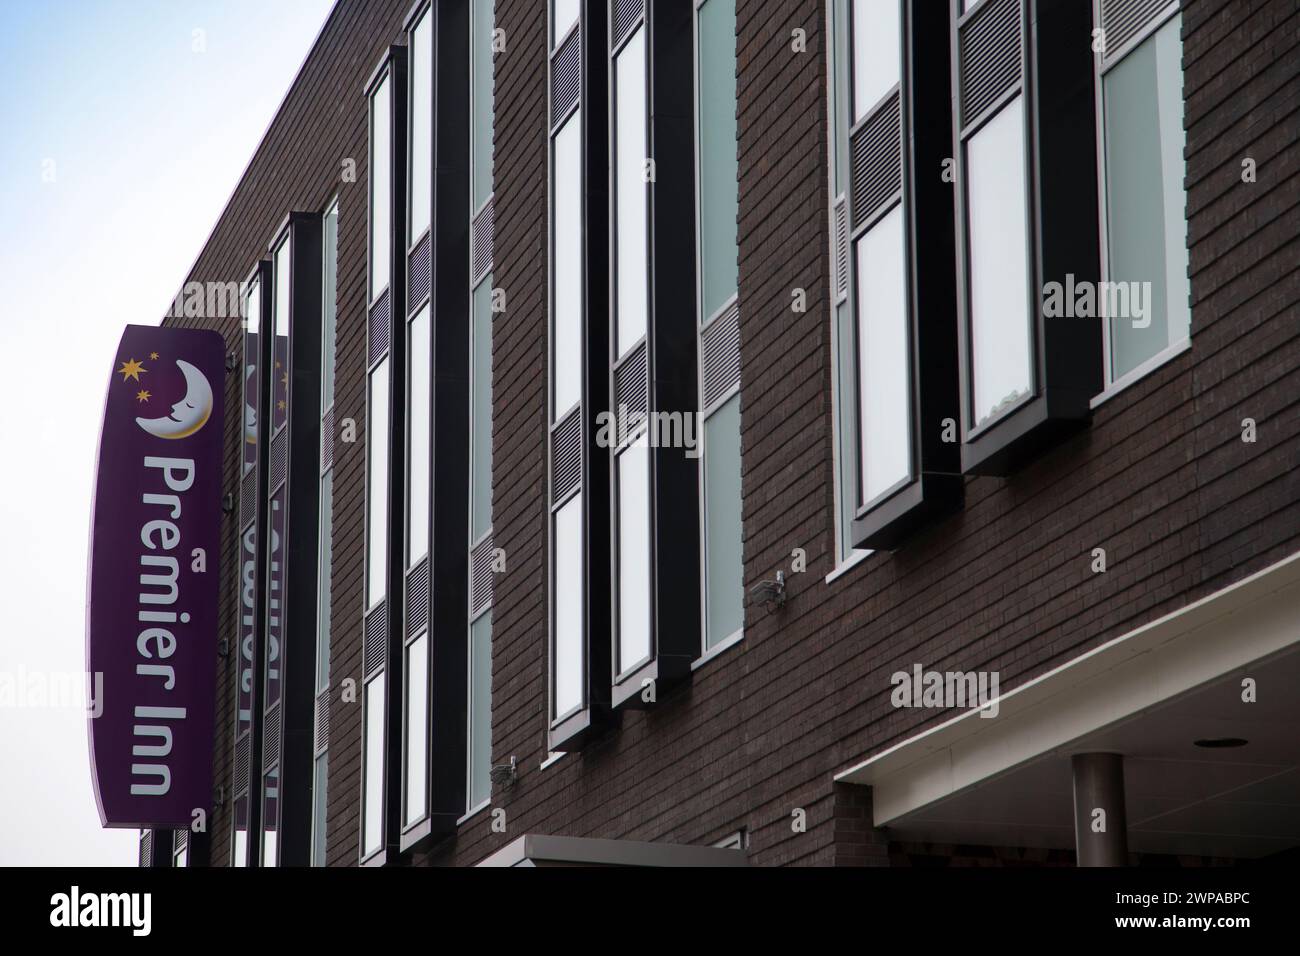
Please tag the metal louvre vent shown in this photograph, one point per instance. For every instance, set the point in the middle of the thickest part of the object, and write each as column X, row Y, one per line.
column 379, row 323
column 566, row 456
column 417, row 598
column 419, row 271
column 720, row 355
column 374, row 654
column 990, row 56
column 1124, row 19
column 627, row 14
column 877, row 160
column 565, row 79
column 146, row 848
column 271, row 735
column 630, row 385
column 248, row 497
column 840, row 253
column 480, row 242
column 321, row 739
column 327, row 440
column 180, row 840
column 241, row 762
column 480, row 576
column 279, row 458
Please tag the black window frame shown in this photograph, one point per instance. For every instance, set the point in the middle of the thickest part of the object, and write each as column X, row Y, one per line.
column 933, row 486
column 391, row 66
column 665, row 358
column 297, row 581
column 440, row 617
column 1056, row 83
column 577, row 727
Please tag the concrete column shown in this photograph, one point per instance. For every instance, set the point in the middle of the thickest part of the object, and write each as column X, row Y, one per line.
column 1100, row 823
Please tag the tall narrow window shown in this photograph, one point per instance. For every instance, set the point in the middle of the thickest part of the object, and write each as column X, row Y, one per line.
column 632, row 492
column 325, row 540
column 250, row 590
column 632, row 346
column 719, row 346
column 287, row 677
column 377, row 486
column 892, row 270
column 272, row 716
column 1144, row 202
column 372, row 826
column 631, row 281
column 420, row 77
column 420, row 399
column 883, row 356
column 389, row 330
column 566, row 352
column 579, row 348
column 479, row 546
column 653, row 330
column 1000, row 307
column 569, row 598
column 1026, row 171
column 381, row 186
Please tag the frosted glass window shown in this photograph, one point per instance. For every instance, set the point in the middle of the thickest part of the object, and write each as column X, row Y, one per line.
column 481, row 413
column 725, row 593
column 568, row 601
column 377, row 486
column 419, row 362
column 282, row 276
column 1001, row 349
column 330, row 309
column 323, row 577
column 716, row 135
column 320, row 787
column 373, row 810
column 421, row 79
column 240, row 856
column 567, row 277
column 565, row 16
column 1145, row 203
column 381, row 191
column 481, row 57
column 633, row 491
column 884, row 407
column 631, row 214
column 280, row 344
column 876, row 45
column 480, row 710
column 417, row 726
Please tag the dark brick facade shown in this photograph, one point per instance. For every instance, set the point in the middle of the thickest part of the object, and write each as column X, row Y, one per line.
column 1161, row 479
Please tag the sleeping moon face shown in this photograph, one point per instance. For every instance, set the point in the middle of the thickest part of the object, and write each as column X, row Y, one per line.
column 189, row 414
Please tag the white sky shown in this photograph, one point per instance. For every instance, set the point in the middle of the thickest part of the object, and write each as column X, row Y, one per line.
column 148, row 137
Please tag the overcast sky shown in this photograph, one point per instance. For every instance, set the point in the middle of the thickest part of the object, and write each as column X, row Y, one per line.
column 127, row 124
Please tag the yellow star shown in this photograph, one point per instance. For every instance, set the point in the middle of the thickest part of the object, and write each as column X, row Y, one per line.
column 280, row 404
column 131, row 369
column 153, row 356
column 142, row 396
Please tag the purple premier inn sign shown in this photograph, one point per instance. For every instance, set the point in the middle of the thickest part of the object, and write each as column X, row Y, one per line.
column 151, row 621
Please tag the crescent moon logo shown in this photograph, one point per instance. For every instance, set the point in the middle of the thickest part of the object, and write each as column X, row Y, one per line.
column 189, row 414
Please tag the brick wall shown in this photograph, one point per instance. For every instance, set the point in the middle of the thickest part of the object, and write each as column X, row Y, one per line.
column 1161, row 480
